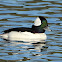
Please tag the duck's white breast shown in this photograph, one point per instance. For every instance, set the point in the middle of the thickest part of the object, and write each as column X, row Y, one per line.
column 24, row 36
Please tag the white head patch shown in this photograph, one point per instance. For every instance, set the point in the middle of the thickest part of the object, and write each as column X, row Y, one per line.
column 37, row 22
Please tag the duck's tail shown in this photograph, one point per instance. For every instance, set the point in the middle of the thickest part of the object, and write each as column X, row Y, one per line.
column 4, row 35
column 1, row 35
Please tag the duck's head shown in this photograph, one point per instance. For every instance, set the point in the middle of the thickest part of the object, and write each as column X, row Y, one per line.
column 42, row 22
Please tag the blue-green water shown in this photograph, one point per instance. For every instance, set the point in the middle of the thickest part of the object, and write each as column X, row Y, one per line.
column 22, row 13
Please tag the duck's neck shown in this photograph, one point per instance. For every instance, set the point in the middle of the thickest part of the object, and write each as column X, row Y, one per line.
column 38, row 29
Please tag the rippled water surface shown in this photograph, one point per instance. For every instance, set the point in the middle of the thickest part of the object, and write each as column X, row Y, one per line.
column 22, row 13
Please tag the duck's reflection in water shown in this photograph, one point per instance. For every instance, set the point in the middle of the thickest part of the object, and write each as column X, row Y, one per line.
column 32, row 47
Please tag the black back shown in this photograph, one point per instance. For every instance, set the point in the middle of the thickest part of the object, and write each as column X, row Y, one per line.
column 34, row 29
column 22, row 29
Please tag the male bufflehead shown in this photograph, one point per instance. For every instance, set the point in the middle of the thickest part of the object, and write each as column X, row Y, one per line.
column 36, row 33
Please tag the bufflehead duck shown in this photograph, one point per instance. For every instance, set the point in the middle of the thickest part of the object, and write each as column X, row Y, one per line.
column 36, row 33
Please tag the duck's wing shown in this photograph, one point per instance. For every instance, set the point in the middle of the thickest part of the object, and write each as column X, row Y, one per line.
column 22, row 29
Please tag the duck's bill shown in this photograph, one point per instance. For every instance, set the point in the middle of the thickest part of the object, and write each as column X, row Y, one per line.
column 48, row 29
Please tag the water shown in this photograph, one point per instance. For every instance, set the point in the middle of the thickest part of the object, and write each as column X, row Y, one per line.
column 22, row 13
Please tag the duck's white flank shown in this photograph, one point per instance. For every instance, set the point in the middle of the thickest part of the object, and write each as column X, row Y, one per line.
column 24, row 36
column 37, row 22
